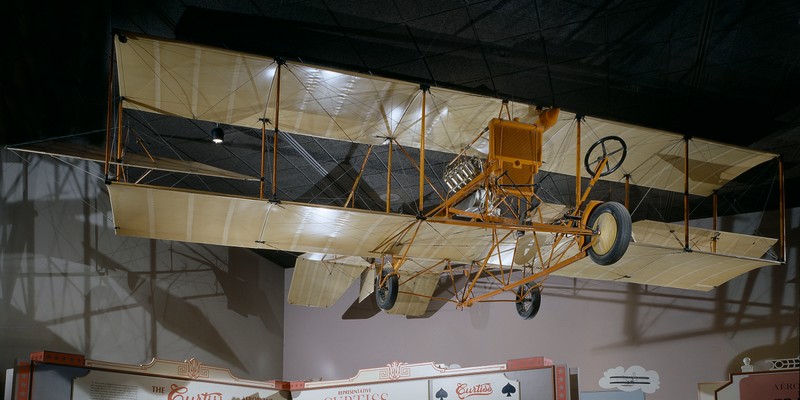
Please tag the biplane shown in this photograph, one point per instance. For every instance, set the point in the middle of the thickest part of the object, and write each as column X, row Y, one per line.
column 489, row 237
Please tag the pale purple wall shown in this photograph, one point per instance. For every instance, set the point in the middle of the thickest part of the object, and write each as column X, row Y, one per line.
column 67, row 283
column 687, row 337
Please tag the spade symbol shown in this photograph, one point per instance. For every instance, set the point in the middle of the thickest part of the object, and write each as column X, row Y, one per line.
column 441, row 394
column 508, row 389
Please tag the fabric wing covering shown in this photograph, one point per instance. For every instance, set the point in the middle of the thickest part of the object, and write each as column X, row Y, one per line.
column 657, row 257
column 190, row 216
column 236, row 88
column 89, row 153
column 219, row 85
column 319, row 280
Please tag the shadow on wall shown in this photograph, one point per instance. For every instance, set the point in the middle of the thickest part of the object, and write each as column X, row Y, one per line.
column 67, row 283
column 764, row 299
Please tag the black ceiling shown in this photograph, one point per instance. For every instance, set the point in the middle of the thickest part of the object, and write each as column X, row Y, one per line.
column 721, row 70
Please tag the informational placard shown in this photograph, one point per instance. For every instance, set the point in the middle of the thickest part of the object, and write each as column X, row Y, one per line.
column 779, row 386
column 402, row 390
column 104, row 385
column 474, row 387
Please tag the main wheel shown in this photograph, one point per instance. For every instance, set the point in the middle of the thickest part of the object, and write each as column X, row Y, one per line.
column 386, row 295
column 529, row 299
column 611, row 224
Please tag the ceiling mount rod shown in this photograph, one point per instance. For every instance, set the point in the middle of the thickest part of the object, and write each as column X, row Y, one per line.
column 781, row 212
column 110, row 110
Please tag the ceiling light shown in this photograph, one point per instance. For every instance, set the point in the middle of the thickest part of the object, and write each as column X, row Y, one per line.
column 217, row 135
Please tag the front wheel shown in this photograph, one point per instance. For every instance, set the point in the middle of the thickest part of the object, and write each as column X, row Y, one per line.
column 529, row 299
column 386, row 295
column 611, row 224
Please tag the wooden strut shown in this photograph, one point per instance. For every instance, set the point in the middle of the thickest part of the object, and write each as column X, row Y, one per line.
column 420, row 272
column 532, row 227
column 422, row 154
column 686, row 246
column 627, row 192
column 389, row 180
column 592, row 182
column 396, row 265
column 119, row 141
column 528, row 279
column 578, row 163
column 358, row 178
column 714, row 221
column 263, row 156
column 414, row 163
column 485, row 261
column 275, row 137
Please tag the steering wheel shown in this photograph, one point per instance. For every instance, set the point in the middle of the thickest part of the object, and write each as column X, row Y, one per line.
column 608, row 147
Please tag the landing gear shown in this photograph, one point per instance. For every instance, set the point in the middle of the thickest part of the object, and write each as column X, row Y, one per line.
column 611, row 224
column 386, row 294
column 529, row 299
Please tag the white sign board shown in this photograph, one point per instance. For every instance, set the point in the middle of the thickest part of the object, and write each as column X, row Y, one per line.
column 103, row 385
column 475, row 387
column 403, row 390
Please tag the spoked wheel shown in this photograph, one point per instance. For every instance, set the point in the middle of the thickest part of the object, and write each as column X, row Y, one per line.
column 386, row 294
column 611, row 147
column 529, row 299
column 611, row 224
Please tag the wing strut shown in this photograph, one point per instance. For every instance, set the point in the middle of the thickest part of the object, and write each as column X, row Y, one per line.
column 686, row 193
column 275, row 138
column 422, row 153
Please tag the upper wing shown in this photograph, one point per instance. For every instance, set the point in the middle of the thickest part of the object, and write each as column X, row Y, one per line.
column 655, row 158
column 235, row 88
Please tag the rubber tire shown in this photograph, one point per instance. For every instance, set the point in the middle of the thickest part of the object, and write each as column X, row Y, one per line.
column 609, row 254
column 524, row 311
column 386, row 296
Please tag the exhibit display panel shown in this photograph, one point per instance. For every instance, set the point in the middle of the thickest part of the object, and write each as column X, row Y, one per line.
column 61, row 376
column 525, row 378
column 762, row 385
column 57, row 376
column 775, row 379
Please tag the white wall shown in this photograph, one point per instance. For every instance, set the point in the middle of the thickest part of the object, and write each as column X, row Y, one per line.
column 687, row 337
column 67, row 283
